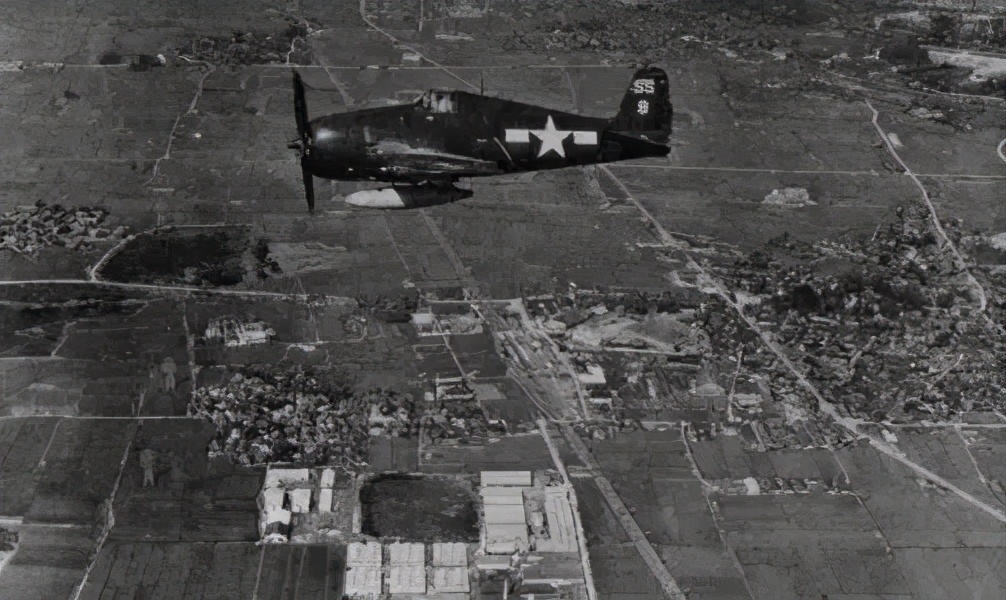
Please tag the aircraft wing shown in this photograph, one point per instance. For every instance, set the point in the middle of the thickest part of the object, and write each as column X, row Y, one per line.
column 405, row 161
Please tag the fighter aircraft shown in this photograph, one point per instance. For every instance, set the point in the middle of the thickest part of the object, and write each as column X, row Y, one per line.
column 422, row 148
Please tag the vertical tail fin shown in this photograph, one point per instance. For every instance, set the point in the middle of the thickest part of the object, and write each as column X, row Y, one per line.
column 646, row 109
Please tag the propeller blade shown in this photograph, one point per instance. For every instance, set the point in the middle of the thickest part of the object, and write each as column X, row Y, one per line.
column 304, row 131
column 308, row 184
column 300, row 108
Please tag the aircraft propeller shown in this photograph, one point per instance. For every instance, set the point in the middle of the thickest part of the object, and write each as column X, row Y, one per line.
column 306, row 138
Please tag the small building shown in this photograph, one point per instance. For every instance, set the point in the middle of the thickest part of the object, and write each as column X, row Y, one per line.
column 450, row 554
column 424, row 323
column 492, row 563
column 593, row 377
column 555, row 570
column 272, row 498
column 506, row 478
column 502, row 495
column 559, row 519
column 453, row 388
column 279, row 477
column 504, row 513
column 554, row 328
column 448, row 580
column 273, row 518
column 503, row 506
column 488, row 392
column 406, row 553
column 505, row 538
column 363, row 553
column 325, row 500
column 363, row 570
column 602, row 404
column 300, row 500
column 407, row 573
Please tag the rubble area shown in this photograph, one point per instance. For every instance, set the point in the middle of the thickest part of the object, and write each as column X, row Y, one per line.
column 451, row 414
column 641, row 27
column 251, row 48
column 579, row 305
column 28, row 229
column 811, row 39
column 314, row 416
column 389, row 309
column 234, row 332
column 307, row 417
column 718, row 377
column 972, row 29
column 658, row 331
column 749, row 392
column 989, row 250
column 889, row 328
column 266, row 265
column 789, row 197
column 772, row 486
column 8, row 540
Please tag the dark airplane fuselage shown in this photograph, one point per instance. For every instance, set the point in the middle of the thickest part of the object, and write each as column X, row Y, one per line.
column 448, row 135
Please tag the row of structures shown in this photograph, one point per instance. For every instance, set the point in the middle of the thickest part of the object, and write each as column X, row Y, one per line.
column 406, row 568
column 520, row 516
column 528, row 538
column 286, row 492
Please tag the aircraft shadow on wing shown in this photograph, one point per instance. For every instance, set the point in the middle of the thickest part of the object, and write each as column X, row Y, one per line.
column 424, row 147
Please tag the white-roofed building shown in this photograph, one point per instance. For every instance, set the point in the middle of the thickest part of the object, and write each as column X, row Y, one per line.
column 277, row 477
column 406, row 554
column 503, row 507
column 363, row 553
column 446, row 580
column 502, row 495
column 450, row 554
column 363, row 582
column 407, row 574
column 407, row 579
column 504, row 513
column 272, row 498
column 505, row 538
column 273, row 518
column 561, row 530
column 449, row 573
column 363, row 570
column 300, row 500
column 594, row 377
column 506, row 478
column 325, row 500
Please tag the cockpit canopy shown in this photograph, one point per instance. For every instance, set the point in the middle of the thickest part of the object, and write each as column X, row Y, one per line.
column 438, row 101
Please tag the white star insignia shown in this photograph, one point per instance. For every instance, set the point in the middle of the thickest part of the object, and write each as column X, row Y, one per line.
column 551, row 138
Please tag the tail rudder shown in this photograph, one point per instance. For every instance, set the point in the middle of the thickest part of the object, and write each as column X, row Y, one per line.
column 646, row 109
